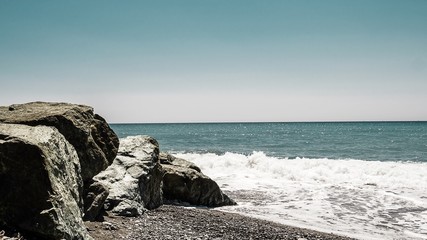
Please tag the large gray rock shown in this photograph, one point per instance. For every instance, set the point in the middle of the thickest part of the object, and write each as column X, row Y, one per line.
column 134, row 179
column 96, row 144
column 184, row 181
column 40, row 182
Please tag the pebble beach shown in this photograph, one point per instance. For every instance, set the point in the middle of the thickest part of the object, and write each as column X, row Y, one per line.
column 177, row 222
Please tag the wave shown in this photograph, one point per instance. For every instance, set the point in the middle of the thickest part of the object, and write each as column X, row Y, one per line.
column 348, row 196
column 310, row 170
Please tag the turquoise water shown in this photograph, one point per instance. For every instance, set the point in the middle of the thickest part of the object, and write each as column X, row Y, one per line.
column 383, row 141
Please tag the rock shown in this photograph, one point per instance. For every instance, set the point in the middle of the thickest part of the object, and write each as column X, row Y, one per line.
column 129, row 208
column 134, row 179
column 184, row 181
column 166, row 158
column 109, row 226
column 95, row 194
column 96, row 144
column 40, row 182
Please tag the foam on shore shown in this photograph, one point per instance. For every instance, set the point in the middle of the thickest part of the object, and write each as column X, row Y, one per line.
column 362, row 199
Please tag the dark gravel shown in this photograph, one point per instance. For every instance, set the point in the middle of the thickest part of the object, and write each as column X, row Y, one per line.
column 176, row 222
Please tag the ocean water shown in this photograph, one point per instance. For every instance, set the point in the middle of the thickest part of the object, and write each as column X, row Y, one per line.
column 366, row 180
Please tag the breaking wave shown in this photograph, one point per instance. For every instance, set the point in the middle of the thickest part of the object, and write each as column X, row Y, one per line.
column 362, row 199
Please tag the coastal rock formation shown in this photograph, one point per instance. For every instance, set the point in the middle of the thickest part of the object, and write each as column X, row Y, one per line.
column 169, row 159
column 135, row 177
column 52, row 157
column 40, row 182
column 137, row 181
column 184, row 181
column 96, row 144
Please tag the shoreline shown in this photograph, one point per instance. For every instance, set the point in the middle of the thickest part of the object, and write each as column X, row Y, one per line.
column 179, row 222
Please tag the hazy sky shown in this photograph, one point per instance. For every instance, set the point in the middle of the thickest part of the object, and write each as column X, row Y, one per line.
column 214, row 60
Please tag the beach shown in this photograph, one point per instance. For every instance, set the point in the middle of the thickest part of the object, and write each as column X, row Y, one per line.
column 362, row 179
column 213, row 120
column 178, row 222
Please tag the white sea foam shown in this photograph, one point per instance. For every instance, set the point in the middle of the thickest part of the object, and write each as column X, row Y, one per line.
column 362, row 199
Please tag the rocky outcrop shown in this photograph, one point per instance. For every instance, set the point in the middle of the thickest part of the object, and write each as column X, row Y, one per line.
column 135, row 177
column 40, row 182
column 184, row 181
column 137, row 181
column 96, row 144
column 52, row 157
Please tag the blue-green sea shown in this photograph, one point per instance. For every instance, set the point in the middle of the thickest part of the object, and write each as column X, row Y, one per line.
column 366, row 180
column 382, row 141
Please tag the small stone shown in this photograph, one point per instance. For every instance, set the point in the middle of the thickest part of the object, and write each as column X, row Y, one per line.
column 109, row 226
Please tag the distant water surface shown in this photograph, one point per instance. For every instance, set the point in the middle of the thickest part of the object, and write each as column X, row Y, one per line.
column 382, row 141
column 362, row 179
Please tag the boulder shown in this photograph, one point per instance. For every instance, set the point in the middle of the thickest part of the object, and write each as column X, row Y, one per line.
column 184, row 181
column 96, row 144
column 40, row 182
column 94, row 196
column 169, row 159
column 135, row 177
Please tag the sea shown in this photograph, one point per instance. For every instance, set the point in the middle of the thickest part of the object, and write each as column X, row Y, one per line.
column 366, row 180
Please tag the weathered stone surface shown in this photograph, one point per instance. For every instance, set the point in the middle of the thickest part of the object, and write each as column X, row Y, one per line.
column 129, row 208
column 40, row 182
column 134, row 179
column 184, row 181
column 94, row 194
column 96, row 144
column 166, row 158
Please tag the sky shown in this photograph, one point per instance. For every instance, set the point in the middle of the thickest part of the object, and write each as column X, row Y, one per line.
column 219, row 60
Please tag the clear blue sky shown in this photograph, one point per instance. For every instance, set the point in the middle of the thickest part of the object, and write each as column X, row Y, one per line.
column 219, row 60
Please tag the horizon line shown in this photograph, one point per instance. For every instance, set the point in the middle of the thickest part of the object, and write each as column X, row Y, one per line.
column 254, row 122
